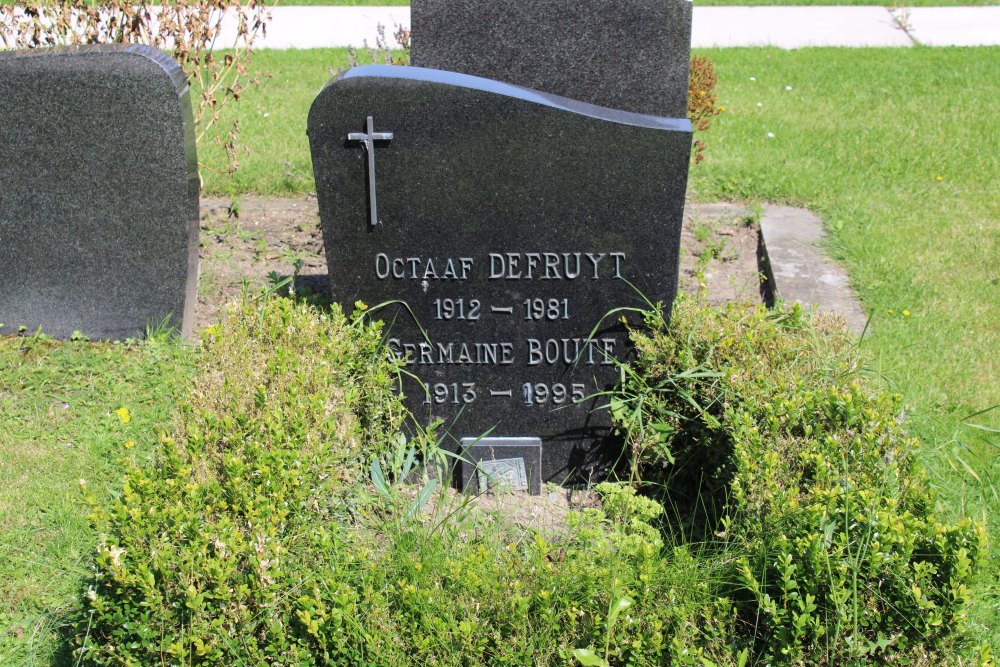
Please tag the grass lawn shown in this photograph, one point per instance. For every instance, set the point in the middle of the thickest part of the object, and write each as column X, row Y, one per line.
column 893, row 147
column 702, row 3
column 699, row 3
column 58, row 425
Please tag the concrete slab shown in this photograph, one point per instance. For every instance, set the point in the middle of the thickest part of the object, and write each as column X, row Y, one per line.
column 955, row 26
column 795, row 27
column 798, row 268
column 324, row 27
column 783, row 27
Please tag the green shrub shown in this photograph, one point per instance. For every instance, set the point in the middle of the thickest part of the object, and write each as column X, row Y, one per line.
column 806, row 476
column 201, row 558
column 467, row 589
column 257, row 539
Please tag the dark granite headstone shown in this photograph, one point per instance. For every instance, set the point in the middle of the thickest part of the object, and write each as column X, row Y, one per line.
column 624, row 54
column 511, row 222
column 99, row 194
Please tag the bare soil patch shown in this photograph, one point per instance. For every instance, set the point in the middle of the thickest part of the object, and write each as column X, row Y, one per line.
column 546, row 514
column 252, row 241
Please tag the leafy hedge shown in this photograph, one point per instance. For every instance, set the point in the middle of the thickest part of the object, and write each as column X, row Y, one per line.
column 258, row 538
column 806, row 476
column 202, row 555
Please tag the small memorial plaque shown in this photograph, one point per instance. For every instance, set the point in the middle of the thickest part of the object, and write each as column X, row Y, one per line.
column 502, row 474
column 489, row 463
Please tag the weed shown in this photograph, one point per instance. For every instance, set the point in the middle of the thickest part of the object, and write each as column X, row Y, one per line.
column 233, row 210
column 702, row 231
column 900, row 13
column 259, row 247
column 702, row 101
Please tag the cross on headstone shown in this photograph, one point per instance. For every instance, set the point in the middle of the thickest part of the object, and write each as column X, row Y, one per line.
column 368, row 140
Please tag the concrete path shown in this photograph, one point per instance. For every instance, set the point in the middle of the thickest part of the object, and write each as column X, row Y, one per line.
column 316, row 27
column 955, row 26
column 784, row 27
column 795, row 27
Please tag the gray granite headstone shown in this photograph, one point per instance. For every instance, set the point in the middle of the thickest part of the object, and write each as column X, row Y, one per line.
column 99, row 195
column 624, row 54
column 510, row 222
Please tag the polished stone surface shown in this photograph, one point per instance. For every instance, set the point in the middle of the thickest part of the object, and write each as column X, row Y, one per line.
column 625, row 54
column 99, row 196
column 510, row 222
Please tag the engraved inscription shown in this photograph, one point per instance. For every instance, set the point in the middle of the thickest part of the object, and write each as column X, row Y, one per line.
column 457, row 309
column 455, row 392
column 422, row 268
column 504, row 266
column 501, row 353
column 553, row 377
column 552, row 265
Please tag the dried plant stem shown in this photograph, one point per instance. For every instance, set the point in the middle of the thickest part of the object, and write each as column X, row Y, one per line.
column 189, row 29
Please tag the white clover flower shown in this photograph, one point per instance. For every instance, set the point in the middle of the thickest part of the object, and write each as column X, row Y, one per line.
column 770, row 135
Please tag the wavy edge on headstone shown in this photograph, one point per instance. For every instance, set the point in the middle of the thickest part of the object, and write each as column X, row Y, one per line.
column 456, row 79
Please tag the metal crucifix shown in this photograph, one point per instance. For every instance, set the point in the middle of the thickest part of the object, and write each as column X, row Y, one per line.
column 368, row 140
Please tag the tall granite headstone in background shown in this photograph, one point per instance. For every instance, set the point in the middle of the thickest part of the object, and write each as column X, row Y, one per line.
column 98, row 192
column 632, row 55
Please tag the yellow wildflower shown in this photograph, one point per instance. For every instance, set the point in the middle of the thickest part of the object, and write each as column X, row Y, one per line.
column 123, row 415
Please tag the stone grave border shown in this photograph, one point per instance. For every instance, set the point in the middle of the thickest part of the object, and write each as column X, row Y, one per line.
column 793, row 253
